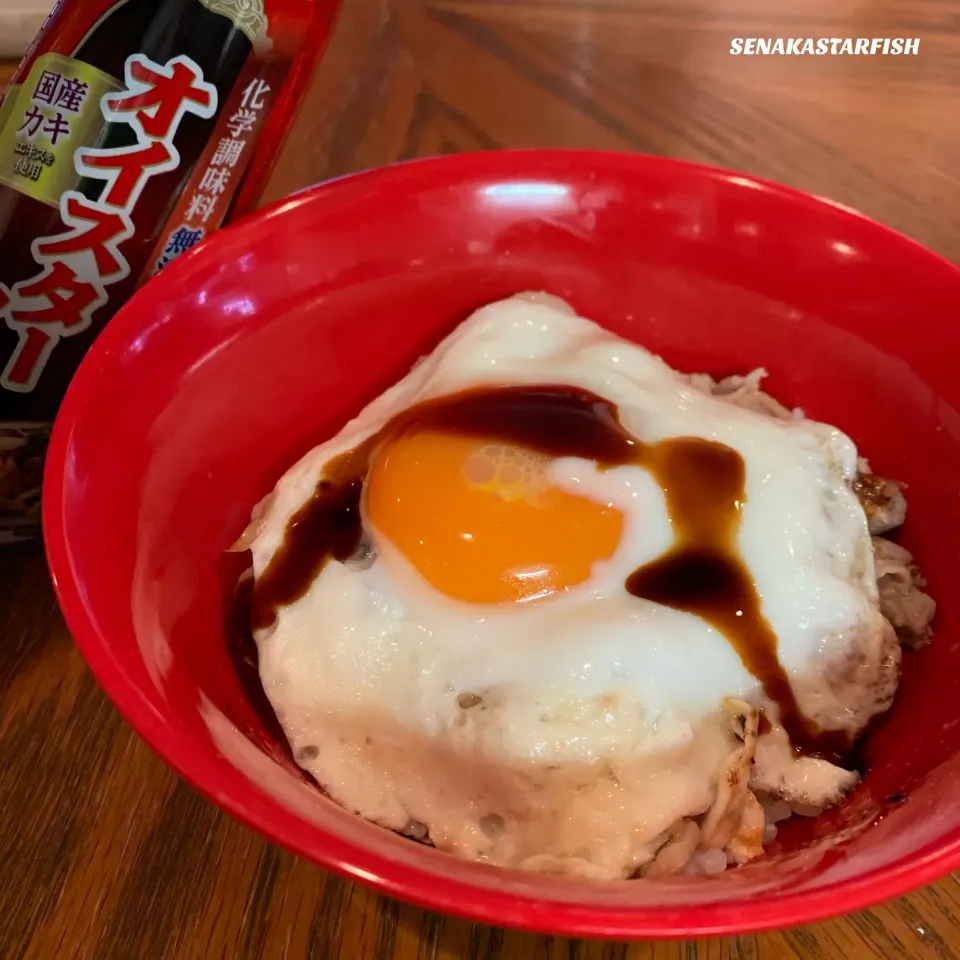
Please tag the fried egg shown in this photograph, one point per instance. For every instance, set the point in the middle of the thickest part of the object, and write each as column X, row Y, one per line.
column 477, row 673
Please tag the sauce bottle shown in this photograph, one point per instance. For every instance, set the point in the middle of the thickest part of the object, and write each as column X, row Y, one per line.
column 132, row 129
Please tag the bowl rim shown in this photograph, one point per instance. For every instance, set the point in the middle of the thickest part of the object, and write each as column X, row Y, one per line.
column 403, row 881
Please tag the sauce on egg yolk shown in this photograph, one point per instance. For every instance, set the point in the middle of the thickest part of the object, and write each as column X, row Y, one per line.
column 441, row 476
column 481, row 522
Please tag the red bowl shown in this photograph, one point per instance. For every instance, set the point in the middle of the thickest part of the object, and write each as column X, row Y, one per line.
column 263, row 342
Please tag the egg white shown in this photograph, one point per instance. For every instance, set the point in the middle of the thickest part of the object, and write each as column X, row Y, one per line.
column 368, row 665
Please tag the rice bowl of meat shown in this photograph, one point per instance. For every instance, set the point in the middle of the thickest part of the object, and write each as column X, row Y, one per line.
column 484, row 742
column 407, row 660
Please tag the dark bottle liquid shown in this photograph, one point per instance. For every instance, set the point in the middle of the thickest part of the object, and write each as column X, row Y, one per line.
column 160, row 30
column 246, row 61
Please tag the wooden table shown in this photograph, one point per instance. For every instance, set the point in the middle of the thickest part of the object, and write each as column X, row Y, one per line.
column 103, row 852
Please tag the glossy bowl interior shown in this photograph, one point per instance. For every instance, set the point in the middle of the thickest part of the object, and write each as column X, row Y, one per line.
column 263, row 342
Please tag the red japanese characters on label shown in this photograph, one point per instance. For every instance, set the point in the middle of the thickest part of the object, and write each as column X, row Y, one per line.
column 78, row 265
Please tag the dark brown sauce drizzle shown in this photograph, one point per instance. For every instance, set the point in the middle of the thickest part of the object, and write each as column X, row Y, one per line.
column 703, row 482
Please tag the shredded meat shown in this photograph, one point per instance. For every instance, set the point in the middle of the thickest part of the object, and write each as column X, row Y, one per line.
column 900, row 584
column 902, row 600
column 744, row 391
column 882, row 500
column 747, row 842
column 673, row 856
column 723, row 818
column 779, row 774
column 863, row 679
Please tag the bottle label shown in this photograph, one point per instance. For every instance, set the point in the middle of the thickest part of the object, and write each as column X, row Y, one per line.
column 53, row 113
column 248, row 16
column 75, row 248
column 206, row 199
column 79, row 265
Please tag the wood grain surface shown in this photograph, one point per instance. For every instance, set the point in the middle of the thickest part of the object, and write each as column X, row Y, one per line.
column 104, row 853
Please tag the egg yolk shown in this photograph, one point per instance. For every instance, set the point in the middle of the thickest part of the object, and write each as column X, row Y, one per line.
column 480, row 520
